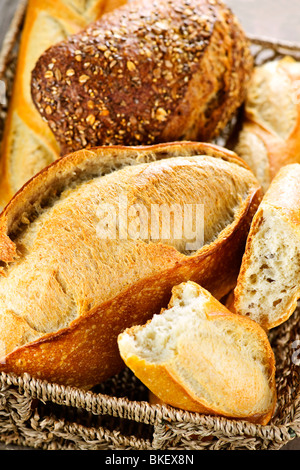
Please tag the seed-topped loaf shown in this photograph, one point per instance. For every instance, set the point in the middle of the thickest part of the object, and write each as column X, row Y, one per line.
column 78, row 266
column 148, row 72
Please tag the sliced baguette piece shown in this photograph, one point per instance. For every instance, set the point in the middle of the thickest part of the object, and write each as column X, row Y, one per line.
column 270, row 134
column 198, row 356
column 67, row 289
column 268, row 285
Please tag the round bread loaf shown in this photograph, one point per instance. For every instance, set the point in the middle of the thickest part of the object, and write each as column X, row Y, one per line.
column 148, row 72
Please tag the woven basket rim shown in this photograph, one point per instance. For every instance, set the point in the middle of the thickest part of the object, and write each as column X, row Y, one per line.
column 140, row 411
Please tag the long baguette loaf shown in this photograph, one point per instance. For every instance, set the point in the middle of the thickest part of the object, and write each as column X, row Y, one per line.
column 268, row 284
column 198, row 356
column 29, row 145
column 76, row 272
column 270, row 135
column 149, row 72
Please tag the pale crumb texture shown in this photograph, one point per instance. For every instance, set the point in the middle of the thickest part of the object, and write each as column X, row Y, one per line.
column 270, row 282
column 221, row 362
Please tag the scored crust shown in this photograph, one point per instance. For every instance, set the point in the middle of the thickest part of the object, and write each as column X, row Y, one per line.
column 72, row 326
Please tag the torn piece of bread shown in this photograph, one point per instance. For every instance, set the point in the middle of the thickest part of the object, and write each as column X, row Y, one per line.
column 78, row 267
column 198, row 356
column 268, row 285
column 270, row 135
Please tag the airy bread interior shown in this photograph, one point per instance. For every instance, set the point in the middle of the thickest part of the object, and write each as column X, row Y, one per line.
column 272, row 276
column 219, row 361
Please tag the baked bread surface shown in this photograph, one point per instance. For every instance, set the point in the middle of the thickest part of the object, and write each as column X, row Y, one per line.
column 198, row 356
column 29, row 144
column 148, row 72
column 268, row 284
column 67, row 289
column 270, row 133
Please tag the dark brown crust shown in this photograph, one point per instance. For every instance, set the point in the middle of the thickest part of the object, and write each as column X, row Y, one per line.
column 145, row 74
column 83, row 354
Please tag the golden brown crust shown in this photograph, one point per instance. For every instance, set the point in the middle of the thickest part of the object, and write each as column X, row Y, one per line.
column 168, row 385
column 129, row 79
column 28, row 144
column 85, row 352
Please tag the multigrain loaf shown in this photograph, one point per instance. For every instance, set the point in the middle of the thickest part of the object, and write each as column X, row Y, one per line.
column 148, row 72
column 198, row 356
column 268, row 285
column 75, row 272
column 270, row 135
column 29, row 145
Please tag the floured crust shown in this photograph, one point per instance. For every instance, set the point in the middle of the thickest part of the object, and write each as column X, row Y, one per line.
column 83, row 351
column 130, row 79
column 270, row 135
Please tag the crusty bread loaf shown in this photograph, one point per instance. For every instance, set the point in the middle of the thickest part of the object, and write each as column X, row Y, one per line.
column 268, row 285
column 29, row 145
column 270, row 135
column 75, row 272
column 148, row 72
column 198, row 356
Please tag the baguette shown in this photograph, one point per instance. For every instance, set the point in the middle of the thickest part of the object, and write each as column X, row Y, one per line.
column 28, row 144
column 73, row 279
column 198, row 356
column 270, row 135
column 148, row 72
column 268, row 285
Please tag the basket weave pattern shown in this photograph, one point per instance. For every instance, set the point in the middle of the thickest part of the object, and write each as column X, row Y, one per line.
column 116, row 414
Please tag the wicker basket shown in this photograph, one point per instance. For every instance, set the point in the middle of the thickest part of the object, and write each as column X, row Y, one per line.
column 116, row 414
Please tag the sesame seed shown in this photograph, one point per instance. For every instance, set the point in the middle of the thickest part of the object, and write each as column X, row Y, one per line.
column 90, row 119
column 131, row 66
column 48, row 74
column 161, row 114
column 83, row 79
column 70, row 72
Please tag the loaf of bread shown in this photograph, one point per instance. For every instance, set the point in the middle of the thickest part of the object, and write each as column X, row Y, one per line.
column 268, row 285
column 86, row 251
column 29, row 145
column 198, row 356
column 270, row 135
column 148, row 72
